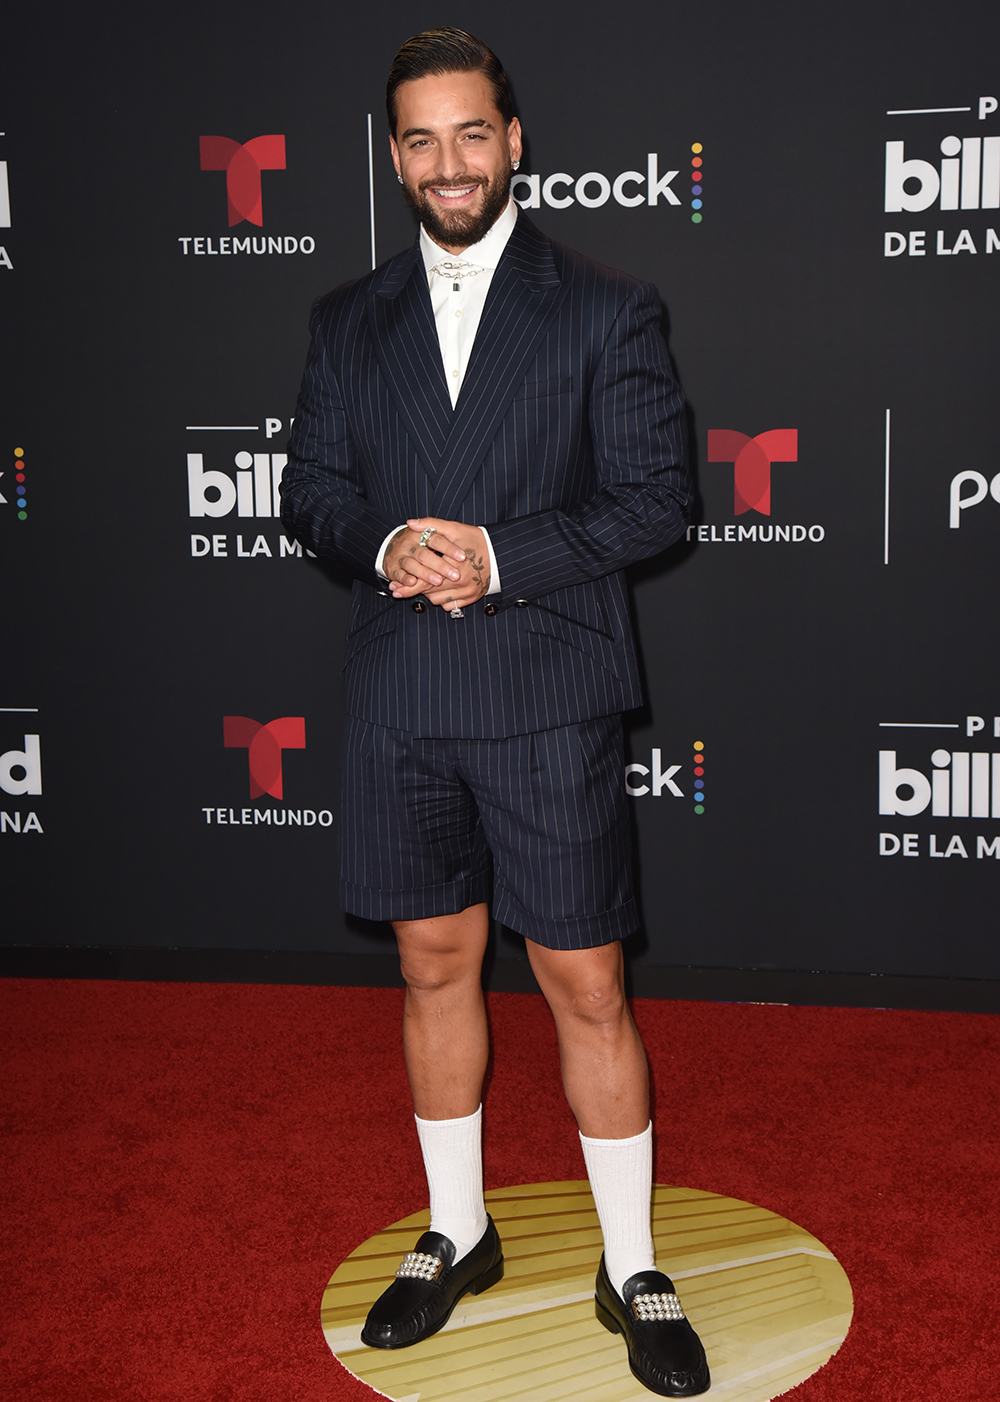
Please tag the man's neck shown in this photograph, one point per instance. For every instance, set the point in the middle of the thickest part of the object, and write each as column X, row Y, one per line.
column 457, row 248
column 454, row 247
column 449, row 247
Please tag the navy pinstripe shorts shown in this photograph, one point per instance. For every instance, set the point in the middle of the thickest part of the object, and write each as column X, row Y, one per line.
column 537, row 822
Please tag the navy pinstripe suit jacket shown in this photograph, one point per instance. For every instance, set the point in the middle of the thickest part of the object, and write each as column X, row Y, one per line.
column 566, row 443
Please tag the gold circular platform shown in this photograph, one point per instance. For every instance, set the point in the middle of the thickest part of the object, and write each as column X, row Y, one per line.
column 771, row 1303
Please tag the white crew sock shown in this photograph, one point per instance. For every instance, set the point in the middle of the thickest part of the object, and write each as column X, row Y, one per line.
column 453, row 1162
column 621, row 1180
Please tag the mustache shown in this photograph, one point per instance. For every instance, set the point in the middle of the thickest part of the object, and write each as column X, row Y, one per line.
column 453, row 184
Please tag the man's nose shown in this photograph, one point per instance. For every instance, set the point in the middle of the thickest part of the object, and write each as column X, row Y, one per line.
column 451, row 163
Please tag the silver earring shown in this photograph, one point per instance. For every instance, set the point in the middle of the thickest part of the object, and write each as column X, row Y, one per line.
column 400, row 179
column 516, row 164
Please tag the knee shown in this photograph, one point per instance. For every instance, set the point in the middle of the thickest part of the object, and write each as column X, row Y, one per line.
column 428, row 977
column 430, row 972
column 442, row 952
column 596, row 1004
column 585, row 987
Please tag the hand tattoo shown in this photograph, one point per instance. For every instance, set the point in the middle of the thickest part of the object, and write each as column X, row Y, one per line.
column 479, row 568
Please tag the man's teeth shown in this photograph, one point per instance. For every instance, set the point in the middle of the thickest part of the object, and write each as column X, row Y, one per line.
column 454, row 194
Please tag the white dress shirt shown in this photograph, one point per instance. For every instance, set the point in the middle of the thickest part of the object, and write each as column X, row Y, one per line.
column 458, row 310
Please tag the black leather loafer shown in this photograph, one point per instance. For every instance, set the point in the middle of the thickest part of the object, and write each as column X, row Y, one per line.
column 428, row 1286
column 664, row 1352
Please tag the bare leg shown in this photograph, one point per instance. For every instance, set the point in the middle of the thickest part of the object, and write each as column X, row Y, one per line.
column 446, row 1045
column 444, row 1018
column 607, row 1086
column 604, row 1069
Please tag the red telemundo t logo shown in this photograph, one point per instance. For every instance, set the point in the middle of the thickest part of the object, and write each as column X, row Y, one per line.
column 243, row 165
column 265, row 744
column 752, row 459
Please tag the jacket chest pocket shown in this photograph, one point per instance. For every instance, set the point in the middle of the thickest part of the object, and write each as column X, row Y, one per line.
column 541, row 389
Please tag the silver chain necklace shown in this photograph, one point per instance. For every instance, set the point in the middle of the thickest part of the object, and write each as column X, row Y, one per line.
column 456, row 271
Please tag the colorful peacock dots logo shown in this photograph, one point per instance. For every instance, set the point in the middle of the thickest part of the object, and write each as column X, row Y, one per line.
column 22, row 491
column 698, row 181
column 699, row 776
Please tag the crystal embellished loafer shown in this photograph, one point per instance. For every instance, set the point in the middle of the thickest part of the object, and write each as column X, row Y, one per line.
column 428, row 1286
column 664, row 1352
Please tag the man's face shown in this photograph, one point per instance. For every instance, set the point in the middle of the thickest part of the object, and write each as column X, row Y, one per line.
column 454, row 154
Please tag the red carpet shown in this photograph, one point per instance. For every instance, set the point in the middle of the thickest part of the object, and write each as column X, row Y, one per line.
column 185, row 1165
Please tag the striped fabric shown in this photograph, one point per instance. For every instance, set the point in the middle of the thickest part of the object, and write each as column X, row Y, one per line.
column 422, row 817
column 566, row 442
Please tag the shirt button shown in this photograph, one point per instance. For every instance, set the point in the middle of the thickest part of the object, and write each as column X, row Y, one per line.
column 458, row 313
column 418, row 607
column 454, row 374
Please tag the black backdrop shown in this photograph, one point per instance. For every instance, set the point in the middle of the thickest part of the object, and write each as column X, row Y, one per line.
column 794, row 662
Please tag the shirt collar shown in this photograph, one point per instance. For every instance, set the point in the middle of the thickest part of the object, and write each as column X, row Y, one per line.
column 486, row 253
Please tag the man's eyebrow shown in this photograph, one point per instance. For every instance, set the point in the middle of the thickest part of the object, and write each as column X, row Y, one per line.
column 459, row 126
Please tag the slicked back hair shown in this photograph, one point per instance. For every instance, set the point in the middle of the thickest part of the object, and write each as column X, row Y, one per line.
column 447, row 51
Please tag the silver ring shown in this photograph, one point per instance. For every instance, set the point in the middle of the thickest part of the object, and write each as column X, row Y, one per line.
column 426, row 534
column 457, row 612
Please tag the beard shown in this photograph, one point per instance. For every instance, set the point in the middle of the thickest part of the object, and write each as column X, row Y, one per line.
column 463, row 226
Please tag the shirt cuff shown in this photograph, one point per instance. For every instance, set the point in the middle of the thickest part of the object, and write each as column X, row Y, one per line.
column 385, row 546
column 494, row 572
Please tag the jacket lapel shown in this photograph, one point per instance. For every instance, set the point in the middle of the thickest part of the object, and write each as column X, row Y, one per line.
column 401, row 321
column 525, row 293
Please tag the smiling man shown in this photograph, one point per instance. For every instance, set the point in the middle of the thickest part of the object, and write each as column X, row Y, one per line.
column 458, row 212
column 488, row 432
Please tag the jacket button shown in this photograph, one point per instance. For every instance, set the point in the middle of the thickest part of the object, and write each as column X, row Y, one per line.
column 521, row 603
column 418, row 607
column 384, row 593
column 490, row 610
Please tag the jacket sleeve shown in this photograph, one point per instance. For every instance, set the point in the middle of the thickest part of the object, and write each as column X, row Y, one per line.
column 643, row 487
column 323, row 500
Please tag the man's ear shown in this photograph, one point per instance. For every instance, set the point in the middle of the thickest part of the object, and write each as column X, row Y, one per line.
column 514, row 139
column 395, row 153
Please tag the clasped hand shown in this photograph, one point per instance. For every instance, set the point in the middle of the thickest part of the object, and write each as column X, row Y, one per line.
column 451, row 570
